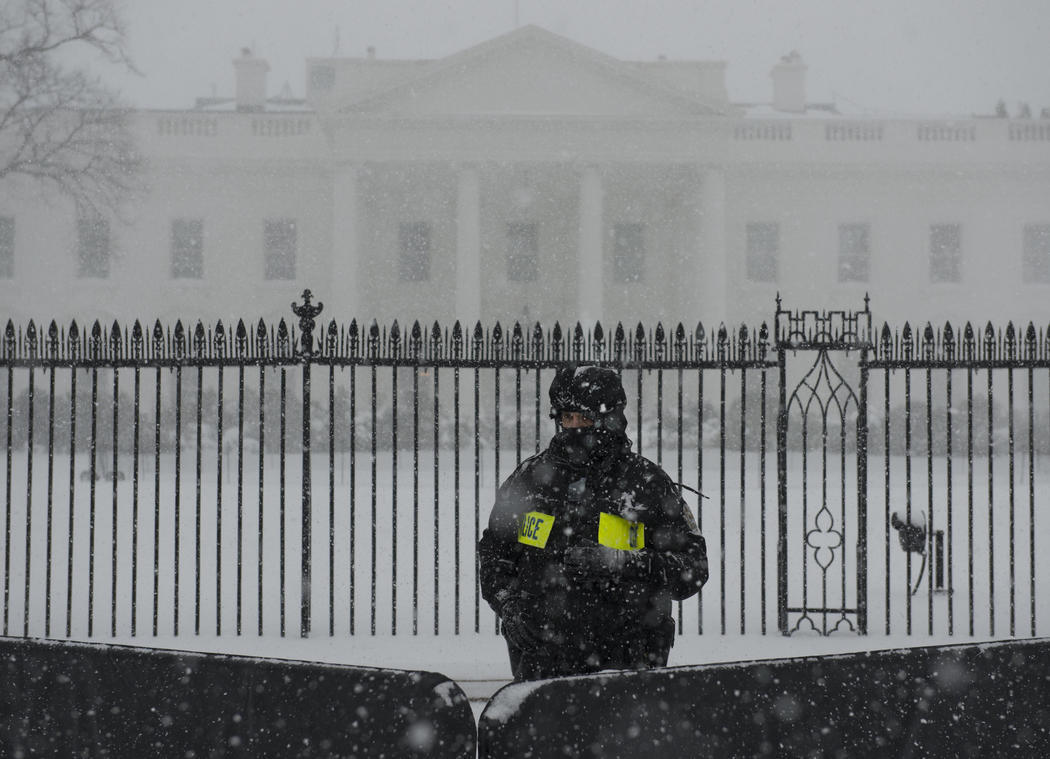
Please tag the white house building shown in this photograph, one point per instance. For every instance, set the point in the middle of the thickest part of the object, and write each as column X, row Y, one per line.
column 530, row 178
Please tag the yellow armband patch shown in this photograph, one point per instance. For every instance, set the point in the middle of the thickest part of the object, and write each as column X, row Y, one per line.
column 617, row 532
column 535, row 528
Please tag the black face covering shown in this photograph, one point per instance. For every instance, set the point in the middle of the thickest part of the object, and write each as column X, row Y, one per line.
column 589, row 447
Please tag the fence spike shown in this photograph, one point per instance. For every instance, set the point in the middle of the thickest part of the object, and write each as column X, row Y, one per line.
column 619, row 338
column 415, row 339
column 435, row 336
column 73, row 339
column 598, row 334
column 353, row 337
column 969, row 341
column 517, row 340
column 284, row 347
column 262, row 342
column 577, row 342
column 158, row 334
column 537, row 334
column 96, row 340
column 240, row 337
column 52, row 339
column 457, row 339
column 907, row 343
column 928, row 340
column 373, row 337
column 949, row 341
column 198, row 339
column 31, row 338
column 660, row 337
column 180, row 339
column 1029, row 341
column 137, row 340
column 220, row 338
column 115, row 346
column 989, row 341
column 1011, row 340
column 9, row 338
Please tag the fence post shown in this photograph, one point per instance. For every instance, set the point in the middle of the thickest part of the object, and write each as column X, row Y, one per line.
column 306, row 314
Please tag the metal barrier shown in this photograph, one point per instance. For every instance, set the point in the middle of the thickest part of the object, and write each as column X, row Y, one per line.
column 61, row 699
column 935, row 701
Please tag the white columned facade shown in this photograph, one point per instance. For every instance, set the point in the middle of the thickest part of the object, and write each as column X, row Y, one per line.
column 590, row 272
column 346, row 236
column 468, row 247
column 713, row 260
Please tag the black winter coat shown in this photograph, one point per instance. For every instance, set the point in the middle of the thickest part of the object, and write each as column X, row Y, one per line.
column 619, row 619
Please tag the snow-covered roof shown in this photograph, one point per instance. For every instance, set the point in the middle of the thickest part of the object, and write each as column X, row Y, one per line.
column 273, row 105
column 813, row 111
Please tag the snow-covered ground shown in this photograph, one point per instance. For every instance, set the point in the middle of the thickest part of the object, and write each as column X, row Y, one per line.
column 433, row 536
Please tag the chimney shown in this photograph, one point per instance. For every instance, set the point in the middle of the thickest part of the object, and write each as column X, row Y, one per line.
column 789, row 84
column 250, row 73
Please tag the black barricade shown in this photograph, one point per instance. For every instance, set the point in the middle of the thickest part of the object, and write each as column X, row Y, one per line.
column 972, row 700
column 68, row 699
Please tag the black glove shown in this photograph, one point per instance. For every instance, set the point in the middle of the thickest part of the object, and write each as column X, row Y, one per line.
column 588, row 561
column 591, row 561
column 518, row 627
column 644, row 565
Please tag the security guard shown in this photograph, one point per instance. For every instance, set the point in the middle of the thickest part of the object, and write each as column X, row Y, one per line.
column 588, row 543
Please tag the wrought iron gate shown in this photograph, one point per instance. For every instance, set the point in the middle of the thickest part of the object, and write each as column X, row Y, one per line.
column 822, row 471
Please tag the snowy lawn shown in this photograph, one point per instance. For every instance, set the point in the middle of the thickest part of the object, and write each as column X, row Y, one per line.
column 419, row 520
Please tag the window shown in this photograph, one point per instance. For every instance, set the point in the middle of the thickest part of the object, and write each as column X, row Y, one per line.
column 187, row 249
column 628, row 252
column 945, row 253
column 854, row 252
column 322, row 77
column 414, row 260
column 93, row 248
column 279, row 237
column 1036, row 264
column 523, row 264
column 763, row 244
column 7, row 247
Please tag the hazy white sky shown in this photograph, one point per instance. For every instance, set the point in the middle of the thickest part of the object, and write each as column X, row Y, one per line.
column 893, row 56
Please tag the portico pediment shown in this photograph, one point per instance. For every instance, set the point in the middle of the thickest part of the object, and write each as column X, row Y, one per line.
column 532, row 72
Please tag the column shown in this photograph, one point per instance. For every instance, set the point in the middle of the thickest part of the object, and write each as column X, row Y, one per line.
column 468, row 248
column 713, row 260
column 346, row 236
column 590, row 273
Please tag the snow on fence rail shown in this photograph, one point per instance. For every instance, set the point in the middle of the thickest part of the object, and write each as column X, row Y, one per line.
column 255, row 480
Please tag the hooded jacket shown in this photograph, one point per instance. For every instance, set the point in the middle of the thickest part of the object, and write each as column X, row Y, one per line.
column 619, row 616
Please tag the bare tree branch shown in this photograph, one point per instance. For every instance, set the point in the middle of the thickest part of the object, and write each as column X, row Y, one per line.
column 59, row 125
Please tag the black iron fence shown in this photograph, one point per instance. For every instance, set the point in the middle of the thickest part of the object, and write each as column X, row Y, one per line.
column 239, row 479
